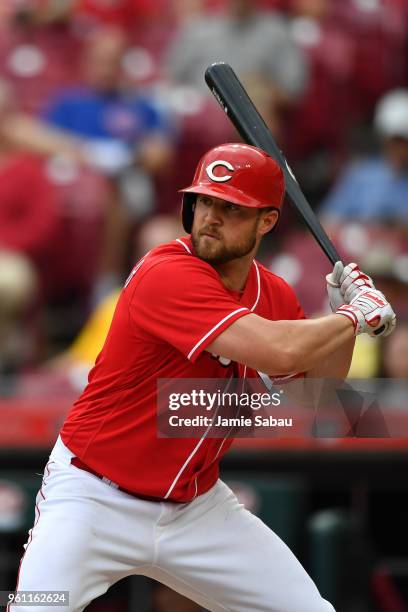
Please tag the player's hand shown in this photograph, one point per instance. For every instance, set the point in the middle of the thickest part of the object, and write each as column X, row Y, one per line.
column 352, row 281
column 370, row 312
column 345, row 282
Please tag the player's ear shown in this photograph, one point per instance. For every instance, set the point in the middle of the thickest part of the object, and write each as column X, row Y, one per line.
column 269, row 219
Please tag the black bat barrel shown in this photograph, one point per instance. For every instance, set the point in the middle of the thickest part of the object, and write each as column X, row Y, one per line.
column 233, row 98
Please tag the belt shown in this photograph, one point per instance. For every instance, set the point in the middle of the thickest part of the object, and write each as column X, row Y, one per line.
column 82, row 466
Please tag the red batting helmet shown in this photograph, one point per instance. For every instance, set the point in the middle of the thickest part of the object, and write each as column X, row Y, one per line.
column 238, row 173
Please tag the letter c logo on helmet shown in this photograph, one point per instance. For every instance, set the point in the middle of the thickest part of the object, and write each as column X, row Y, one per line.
column 219, row 179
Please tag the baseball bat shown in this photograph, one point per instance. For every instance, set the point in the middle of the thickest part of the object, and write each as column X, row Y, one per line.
column 232, row 97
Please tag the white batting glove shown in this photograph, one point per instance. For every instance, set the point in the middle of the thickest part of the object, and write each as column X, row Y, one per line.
column 333, row 286
column 370, row 313
column 345, row 282
column 352, row 281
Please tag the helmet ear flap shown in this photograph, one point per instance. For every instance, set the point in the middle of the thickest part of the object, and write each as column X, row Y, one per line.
column 187, row 210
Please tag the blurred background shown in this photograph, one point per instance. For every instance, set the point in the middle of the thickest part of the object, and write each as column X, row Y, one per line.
column 103, row 116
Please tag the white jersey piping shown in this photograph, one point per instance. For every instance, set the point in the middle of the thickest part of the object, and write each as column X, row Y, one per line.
column 189, row 356
column 184, row 245
column 258, row 278
column 193, row 452
column 227, row 436
column 231, row 314
column 245, row 370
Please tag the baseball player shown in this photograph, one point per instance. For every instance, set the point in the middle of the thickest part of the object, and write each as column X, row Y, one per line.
column 117, row 500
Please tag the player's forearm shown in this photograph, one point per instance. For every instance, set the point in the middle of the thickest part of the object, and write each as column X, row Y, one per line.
column 313, row 342
column 336, row 365
column 282, row 347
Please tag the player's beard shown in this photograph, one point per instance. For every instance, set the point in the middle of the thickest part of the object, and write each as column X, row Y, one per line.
column 217, row 252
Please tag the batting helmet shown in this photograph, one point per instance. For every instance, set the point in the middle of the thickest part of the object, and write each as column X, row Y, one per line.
column 238, row 173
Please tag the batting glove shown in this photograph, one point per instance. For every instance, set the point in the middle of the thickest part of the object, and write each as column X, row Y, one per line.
column 344, row 283
column 352, row 281
column 333, row 286
column 370, row 313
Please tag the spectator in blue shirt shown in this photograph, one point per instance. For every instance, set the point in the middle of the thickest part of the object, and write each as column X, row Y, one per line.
column 376, row 189
column 120, row 133
column 119, row 126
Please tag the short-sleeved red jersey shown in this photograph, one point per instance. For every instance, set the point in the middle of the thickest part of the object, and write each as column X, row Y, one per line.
column 172, row 306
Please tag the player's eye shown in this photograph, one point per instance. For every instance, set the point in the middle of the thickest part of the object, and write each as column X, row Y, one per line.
column 205, row 201
column 232, row 207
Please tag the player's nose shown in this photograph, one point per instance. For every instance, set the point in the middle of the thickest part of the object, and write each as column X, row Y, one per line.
column 213, row 215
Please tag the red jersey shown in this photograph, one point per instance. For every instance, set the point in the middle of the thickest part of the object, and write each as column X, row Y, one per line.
column 172, row 306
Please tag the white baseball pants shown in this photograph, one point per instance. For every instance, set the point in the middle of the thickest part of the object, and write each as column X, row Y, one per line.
column 88, row 535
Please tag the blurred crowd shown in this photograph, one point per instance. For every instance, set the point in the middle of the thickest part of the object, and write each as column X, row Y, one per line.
column 104, row 114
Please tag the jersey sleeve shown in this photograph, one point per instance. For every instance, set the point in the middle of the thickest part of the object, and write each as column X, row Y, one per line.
column 182, row 302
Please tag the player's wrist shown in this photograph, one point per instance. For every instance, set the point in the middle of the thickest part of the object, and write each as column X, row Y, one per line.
column 349, row 313
column 370, row 312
